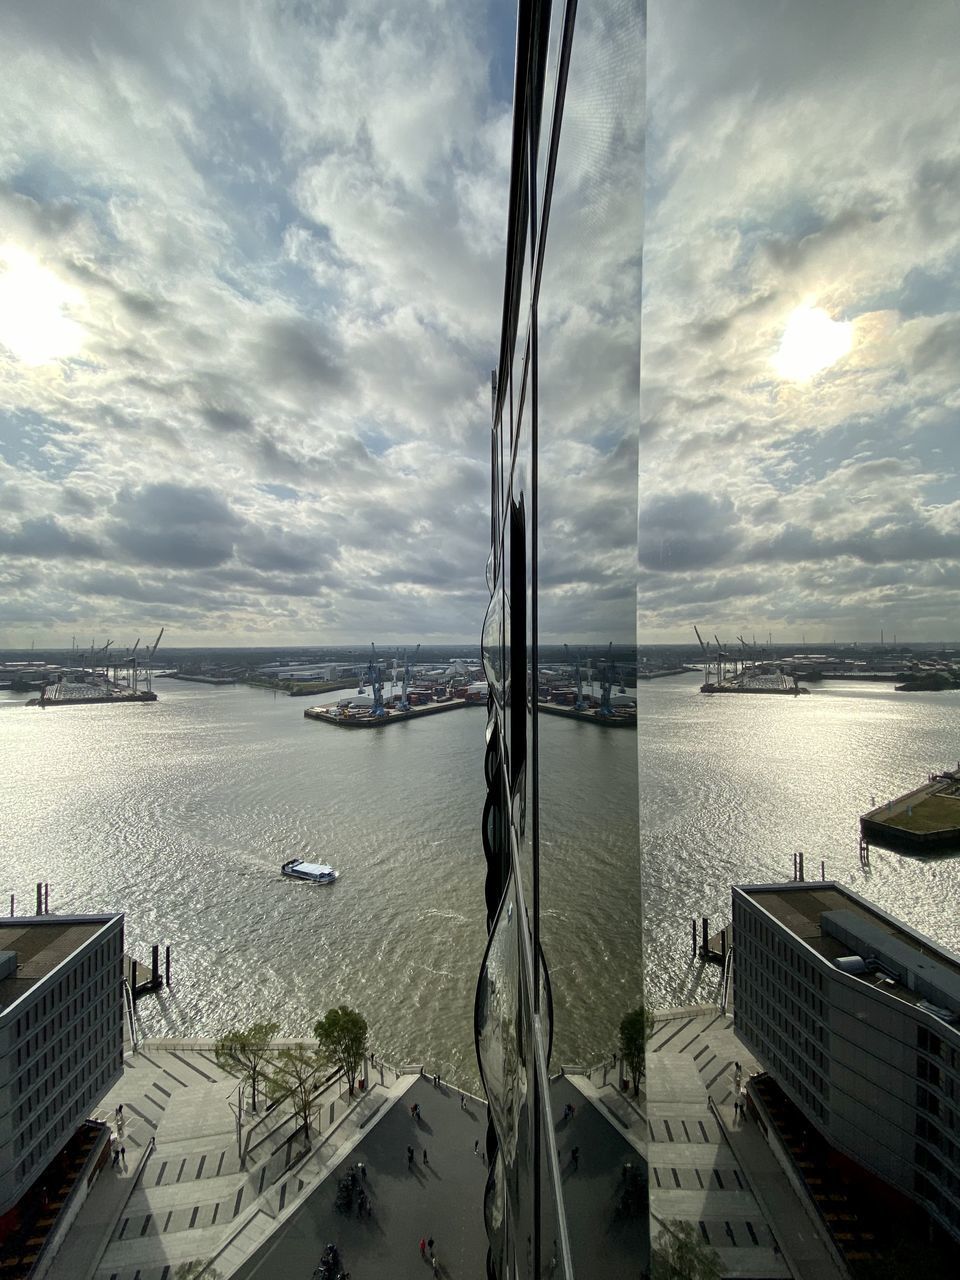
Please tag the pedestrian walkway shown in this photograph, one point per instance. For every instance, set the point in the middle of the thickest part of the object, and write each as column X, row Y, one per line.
column 604, row 1187
column 710, row 1167
column 438, row 1194
column 193, row 1181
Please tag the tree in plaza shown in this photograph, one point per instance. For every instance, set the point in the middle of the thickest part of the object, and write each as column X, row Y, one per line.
column 635, row 1030
column 681, row 1253
column 342, row 1036
column 293, row 1076
column 243, row 1052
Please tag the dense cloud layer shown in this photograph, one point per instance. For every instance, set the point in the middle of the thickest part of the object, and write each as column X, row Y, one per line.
column 279, row 230
column 265, row 245
column 801, row 155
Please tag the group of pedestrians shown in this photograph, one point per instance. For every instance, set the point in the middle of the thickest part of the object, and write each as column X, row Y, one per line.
column 427, row 1252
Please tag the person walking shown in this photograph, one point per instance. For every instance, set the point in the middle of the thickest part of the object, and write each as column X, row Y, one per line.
column 430, row 1246
column 425, row 1160
column 476, row 1147
column 423, row 1247
column 409, row 1157
column 575, row 1157
column 435, row 1264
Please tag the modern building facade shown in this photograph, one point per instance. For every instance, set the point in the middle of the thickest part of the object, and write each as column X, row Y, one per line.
column 857, row 1018
column 561, row 572
column 61, row 1035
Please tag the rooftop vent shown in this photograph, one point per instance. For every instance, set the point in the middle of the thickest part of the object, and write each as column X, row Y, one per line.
column 851, row 964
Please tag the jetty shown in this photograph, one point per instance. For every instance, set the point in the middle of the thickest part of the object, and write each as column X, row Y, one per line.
column 756, row 682
column 618, row 718
column 369, row 718
column 925, row 820
column 82, row 695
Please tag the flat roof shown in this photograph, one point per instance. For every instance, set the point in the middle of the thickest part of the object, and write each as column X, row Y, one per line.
column 41, row 943
column 799, row 908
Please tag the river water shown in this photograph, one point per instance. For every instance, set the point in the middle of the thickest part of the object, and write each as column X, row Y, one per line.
column 180, row 813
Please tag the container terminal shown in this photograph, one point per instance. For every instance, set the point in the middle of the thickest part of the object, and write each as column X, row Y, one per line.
column 108, row 678
column 613, row 708
column 417, row 697
column 727, row 671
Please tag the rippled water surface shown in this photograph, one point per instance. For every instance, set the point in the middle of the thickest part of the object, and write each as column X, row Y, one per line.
column 180, row 813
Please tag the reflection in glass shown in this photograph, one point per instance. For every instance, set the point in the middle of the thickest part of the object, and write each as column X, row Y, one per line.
column 563, row 963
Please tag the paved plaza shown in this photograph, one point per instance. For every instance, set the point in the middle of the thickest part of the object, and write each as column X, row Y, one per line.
column 440, row 1197
column 260, row 1204
column 181, row 1191
column 710, row 1167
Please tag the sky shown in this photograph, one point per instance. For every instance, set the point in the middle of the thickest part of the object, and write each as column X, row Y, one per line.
column 249, row 305
column 251, row 264
column 801, row 158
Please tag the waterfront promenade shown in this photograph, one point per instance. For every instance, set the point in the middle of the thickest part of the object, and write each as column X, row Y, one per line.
column 184, row 1194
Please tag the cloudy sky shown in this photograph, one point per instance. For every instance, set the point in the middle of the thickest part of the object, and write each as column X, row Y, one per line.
column 250, row 283
column 249, row 302
column 802, row 156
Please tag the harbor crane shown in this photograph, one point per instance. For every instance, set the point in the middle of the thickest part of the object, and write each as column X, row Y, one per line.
column 375, row 677
column 705, row 647
column 404, row 699
column 607, row 672
column 743, row 654
column 106, row 660
column 724, row 657
column 578, row 680
column 150, row 659
column 132, row 664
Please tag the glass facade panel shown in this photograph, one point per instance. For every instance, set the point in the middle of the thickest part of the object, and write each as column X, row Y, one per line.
column 563, row 964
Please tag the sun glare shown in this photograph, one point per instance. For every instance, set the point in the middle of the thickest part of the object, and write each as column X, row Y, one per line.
column 811, row 342
column 33, row 326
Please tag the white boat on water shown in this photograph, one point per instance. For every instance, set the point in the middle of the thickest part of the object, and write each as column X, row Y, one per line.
column 316, row 872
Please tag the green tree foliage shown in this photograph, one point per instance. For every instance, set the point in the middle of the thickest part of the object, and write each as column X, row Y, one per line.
column 342, row 1036
column 681, row 1253
column 635, row 1030
column 243, row 1053
column 293, row 1076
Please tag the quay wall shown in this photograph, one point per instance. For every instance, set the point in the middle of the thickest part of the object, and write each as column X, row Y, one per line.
column 361, row 721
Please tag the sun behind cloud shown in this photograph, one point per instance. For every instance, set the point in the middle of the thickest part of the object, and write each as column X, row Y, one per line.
column 33, row 323
column 811, row 342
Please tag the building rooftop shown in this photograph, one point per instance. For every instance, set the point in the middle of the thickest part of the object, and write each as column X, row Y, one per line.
column 837, row 923
column 41, row 943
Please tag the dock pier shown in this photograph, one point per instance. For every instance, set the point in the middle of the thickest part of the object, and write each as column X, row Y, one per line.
column 144, row 981
column 712, row 949
column 362, row 719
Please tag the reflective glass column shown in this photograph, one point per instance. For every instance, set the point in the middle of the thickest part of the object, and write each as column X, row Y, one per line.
column 563, row 965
